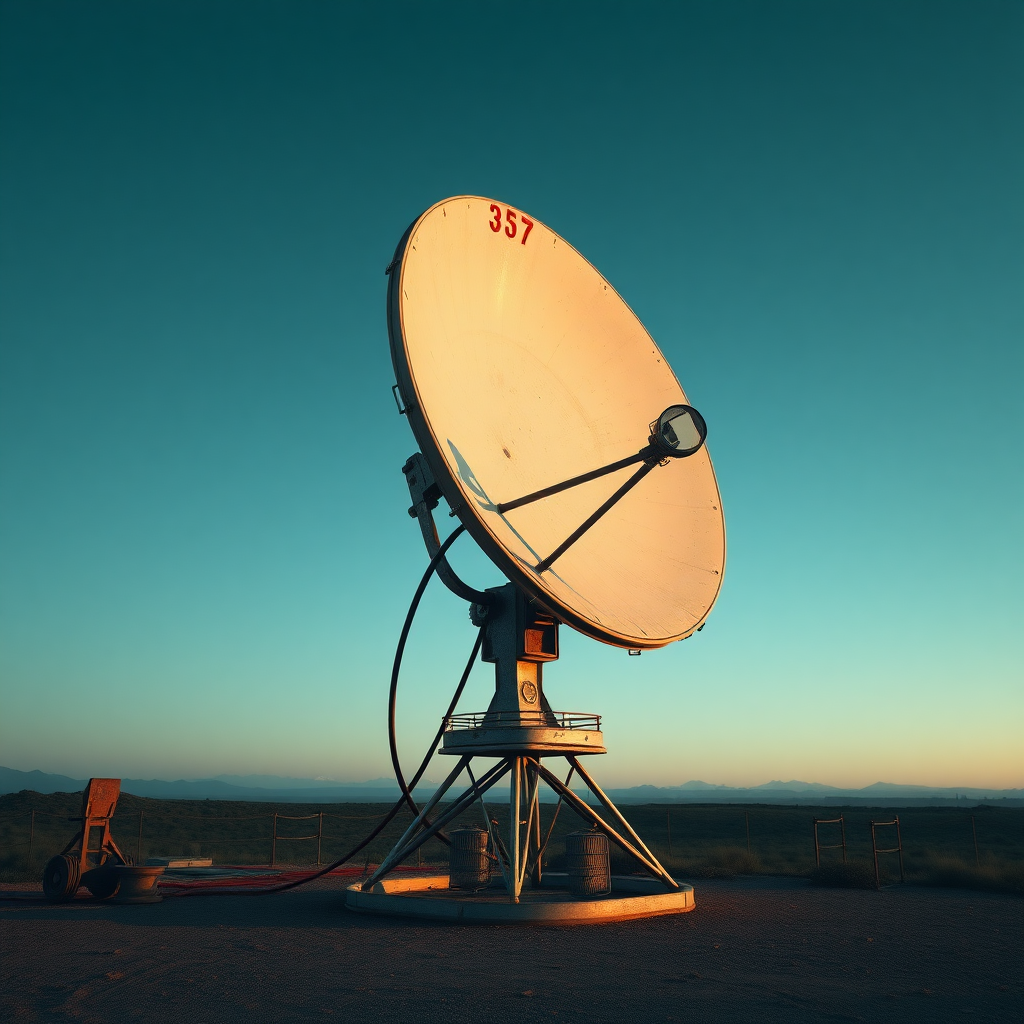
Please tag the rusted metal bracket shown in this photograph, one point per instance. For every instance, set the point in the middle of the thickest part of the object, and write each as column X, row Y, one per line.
column 425, row 496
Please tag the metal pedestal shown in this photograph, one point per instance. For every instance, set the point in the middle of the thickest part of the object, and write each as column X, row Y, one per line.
column 519, row 855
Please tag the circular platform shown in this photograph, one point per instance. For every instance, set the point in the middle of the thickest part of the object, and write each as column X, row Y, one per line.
column 538, row 741
column 429, row 897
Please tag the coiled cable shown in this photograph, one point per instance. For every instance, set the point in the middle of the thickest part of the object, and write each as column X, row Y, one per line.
column 406, row 799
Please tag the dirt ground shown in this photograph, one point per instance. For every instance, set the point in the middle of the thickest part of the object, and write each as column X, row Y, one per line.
column 755, row 949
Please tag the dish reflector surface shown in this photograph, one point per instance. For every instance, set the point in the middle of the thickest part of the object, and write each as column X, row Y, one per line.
column 520, row 367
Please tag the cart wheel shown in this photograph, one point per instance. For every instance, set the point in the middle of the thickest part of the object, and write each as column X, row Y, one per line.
column 102, row 882
column 61, row 878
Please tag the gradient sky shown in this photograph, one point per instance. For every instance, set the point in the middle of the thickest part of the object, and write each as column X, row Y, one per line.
column 815, row 208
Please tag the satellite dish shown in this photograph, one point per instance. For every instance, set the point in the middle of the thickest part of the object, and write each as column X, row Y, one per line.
column 556, row 431
column 539, row 399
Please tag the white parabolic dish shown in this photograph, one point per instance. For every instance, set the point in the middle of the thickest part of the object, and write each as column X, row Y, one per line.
column 520, row 366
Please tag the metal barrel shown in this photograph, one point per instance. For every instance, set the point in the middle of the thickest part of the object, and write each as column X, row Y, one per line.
column 137, row 883
column 469, row 867
column 588, row 863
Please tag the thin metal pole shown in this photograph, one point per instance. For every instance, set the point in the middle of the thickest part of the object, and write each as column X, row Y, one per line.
column 554, row 818
column 617, row 814
column 411, row 841
column 273, row 842
column 977, row 858
column 842, row 826
column 319, row 838
column 513, row 825
column 458, row 806
column 138, row 845
column 32, row 833
column 491, row 825
column 544, row 492
column 588, row 813
column 531, row 783
column 537, row 872
column 546, row 563
column 899, row 844
column 418, row 820
column 874, row 850
column 817, row 849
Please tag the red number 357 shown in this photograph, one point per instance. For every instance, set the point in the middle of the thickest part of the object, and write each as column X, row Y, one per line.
column 510, row 223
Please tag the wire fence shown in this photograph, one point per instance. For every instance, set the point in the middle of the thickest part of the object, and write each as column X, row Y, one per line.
column 39, row 831
column 689, row 838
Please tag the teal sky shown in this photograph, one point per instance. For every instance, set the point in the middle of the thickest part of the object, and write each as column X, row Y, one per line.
column 815, row 208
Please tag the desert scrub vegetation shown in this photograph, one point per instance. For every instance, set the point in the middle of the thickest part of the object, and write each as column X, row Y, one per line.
column 693, row 841
column 993, row 874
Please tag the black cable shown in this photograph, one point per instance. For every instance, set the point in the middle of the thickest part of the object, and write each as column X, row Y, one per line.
column 397, row 667
column 406, row 797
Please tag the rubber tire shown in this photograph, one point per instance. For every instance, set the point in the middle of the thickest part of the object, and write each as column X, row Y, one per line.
column 102, row 882
column 61, row 878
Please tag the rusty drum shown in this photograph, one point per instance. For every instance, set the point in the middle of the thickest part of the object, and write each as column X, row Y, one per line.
column 588, row 863
column 469, row 864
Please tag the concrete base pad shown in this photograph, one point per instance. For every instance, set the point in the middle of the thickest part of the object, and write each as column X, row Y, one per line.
column 429, row 897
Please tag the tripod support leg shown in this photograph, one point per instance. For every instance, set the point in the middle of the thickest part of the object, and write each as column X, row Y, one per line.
column 532, row 780
column 514, row 830
column 588, row 813
column 390, row 859
column 617, row 814
column 411, row 842
column 496, row 844
column 534, row 870
column 543, row 845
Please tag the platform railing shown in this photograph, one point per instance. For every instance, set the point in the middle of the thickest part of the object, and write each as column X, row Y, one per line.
column 527, row 719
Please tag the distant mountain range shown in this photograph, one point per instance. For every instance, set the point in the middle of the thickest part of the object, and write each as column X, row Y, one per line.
column 241, row 787
column 796, row 792
column 324, row 791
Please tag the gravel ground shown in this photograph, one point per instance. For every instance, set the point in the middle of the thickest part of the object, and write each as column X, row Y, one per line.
column 755, row 949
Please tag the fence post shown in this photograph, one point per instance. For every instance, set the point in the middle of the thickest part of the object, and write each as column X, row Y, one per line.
column 977, row 859
column 319, row 838
column 746, row 818
column 32, row 833
column 273, row 842
column 898, row 849
column 874, row 850
column 899, row 844
column 138, row 847
column 841, row 845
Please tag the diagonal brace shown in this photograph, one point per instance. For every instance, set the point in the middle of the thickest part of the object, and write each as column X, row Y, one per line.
column 411, row 843
column 617, row 814
column 585, row 811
